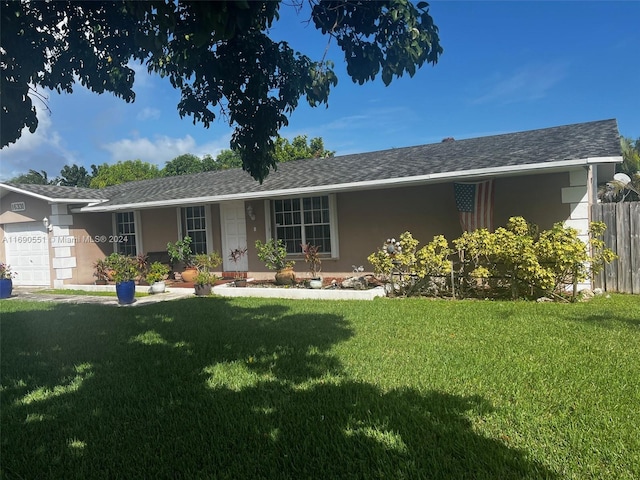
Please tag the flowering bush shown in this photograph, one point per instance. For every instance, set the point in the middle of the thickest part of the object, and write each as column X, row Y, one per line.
column 5, row 271
column 515, row 260
column 411, row 270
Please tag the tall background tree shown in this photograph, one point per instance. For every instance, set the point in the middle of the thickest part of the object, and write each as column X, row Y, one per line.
column 34, row 177
column 74, row 176
column 183, row 165
column 217, row 54
column 299, row 148
column 106, row 175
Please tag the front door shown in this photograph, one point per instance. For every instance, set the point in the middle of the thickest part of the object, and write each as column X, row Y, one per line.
column 234, row 235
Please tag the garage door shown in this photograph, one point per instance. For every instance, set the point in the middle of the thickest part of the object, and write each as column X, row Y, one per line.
column 27, row 250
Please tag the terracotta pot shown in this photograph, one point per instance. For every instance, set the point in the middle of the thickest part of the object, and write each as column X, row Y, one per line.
column 286, row 276
column 240, row 282
column 189, row 274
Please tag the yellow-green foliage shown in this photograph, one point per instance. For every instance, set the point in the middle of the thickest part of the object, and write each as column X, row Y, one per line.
column 515, row 257
column 433, row 258
column 404, row 257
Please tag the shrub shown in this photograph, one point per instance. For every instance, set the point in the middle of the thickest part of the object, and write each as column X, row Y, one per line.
column 515, row 260
column 274, row 254
column 410, row 270
column 157, row 272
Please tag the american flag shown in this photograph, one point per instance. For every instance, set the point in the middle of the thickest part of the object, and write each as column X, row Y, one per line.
column 475, row 204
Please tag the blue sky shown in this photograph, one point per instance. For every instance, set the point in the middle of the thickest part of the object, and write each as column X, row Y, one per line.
column 506, row 67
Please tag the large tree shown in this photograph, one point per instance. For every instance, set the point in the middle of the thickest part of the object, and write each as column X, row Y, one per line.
column 105, row 175
column 75, row 176
column 218, row 54
column 183, row 165
column 300, row 148
column 34, row 177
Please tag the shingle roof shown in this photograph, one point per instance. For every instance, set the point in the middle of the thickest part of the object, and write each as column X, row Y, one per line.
column 57, row 192
column 527, row 150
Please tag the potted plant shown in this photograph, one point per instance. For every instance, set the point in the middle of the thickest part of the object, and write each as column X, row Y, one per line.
column 125, row 272
column 6, row 280
column 180, row 252
column 142, row 264
column 101, row 271
column 205, row 278
column 274, row 255
column 312, row 257
column 235, row 256
column 156, row 276
column 203, row 282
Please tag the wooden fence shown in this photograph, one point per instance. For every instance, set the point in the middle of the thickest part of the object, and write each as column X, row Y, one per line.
column 623, row 237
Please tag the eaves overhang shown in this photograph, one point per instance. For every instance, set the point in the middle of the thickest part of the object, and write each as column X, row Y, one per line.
column 462, row 175
column 46, row 198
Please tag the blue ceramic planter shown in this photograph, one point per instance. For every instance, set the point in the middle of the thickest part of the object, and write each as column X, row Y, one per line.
column 6, row 285
column 126, row 292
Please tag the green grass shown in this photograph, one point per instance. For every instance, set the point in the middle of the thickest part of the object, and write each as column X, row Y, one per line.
column 248, row 388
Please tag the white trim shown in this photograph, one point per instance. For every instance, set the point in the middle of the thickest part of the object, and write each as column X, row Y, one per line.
column 333, row 226
column 114, row 230
column 137, row 225
column 509, row 170
column 208, row 228
column 267, row 220
column 179, row 220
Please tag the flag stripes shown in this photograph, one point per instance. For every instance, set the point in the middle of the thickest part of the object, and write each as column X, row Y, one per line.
column 475, row 205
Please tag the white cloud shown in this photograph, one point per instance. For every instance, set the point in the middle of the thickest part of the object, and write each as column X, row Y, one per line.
column 531, row 82
column 162, row 148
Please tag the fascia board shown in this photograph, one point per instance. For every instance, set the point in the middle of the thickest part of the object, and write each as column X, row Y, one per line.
column 373, row 184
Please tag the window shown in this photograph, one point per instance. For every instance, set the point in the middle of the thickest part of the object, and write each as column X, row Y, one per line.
column 304, row 220
column 194, row 225
column 126, row 233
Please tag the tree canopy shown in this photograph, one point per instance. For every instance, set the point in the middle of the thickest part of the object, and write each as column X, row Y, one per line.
column 183, row 165
column 299, row 148
column 218, row 54
column 106, row 175
column 34, row 177
column 75, row 176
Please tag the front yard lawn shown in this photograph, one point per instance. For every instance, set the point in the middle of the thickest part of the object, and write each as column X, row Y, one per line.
column 254, row 388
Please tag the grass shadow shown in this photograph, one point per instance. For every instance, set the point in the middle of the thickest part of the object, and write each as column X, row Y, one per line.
column 220, row 389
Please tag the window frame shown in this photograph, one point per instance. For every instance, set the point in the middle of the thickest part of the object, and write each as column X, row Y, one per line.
column 137, row 228
column 271, row 227
column 181, row 213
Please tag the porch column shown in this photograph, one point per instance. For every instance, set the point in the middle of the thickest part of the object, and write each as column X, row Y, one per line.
column 64, row 261
column 576, row 195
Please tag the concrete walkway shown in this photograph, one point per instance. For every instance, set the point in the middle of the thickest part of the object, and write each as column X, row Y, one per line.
column 174, row 293
column 32, row 294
